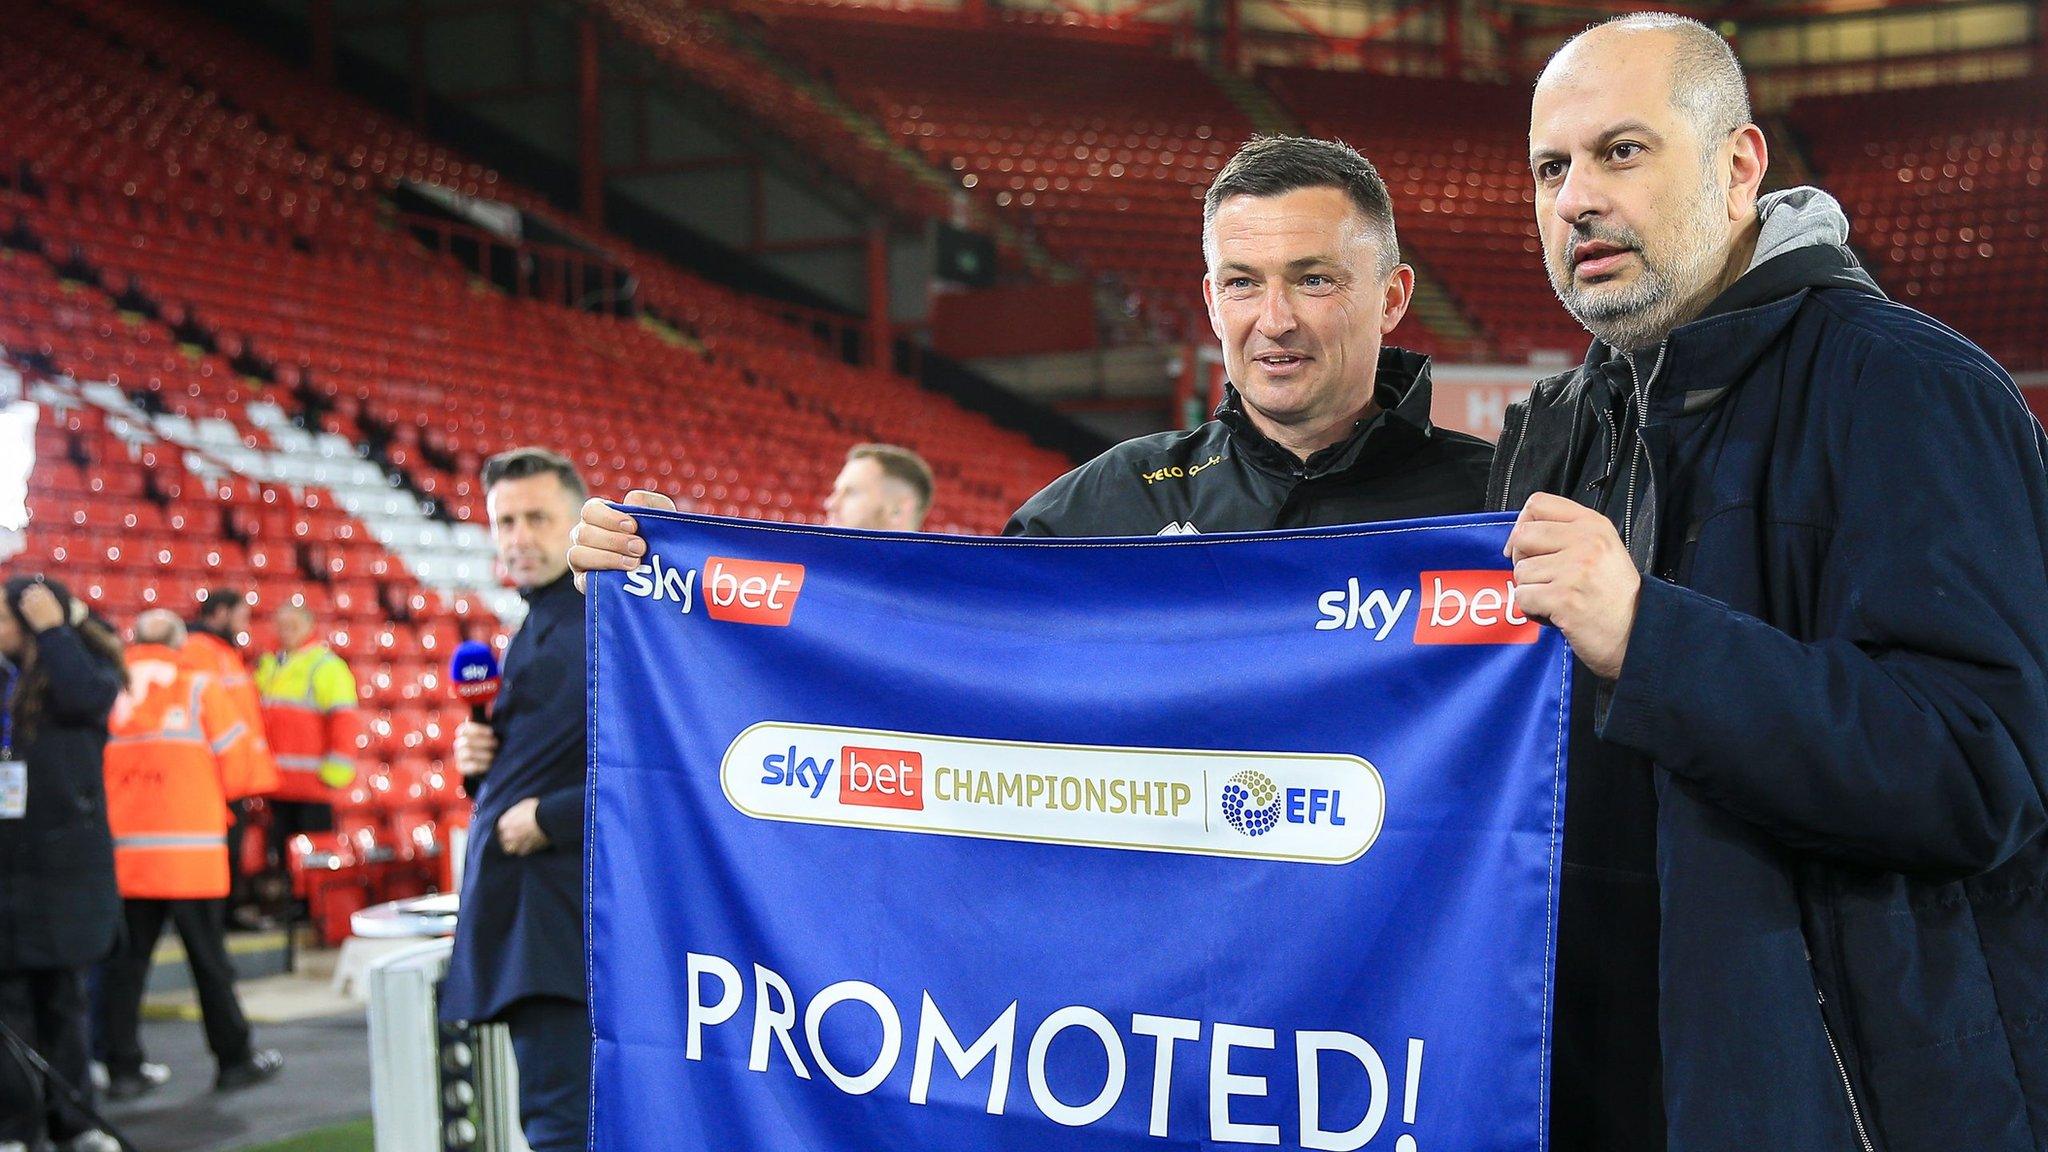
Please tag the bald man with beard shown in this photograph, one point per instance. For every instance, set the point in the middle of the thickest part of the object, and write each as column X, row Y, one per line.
column 1797, row 535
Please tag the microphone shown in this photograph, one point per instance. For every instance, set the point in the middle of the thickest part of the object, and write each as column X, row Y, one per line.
column 473, row 677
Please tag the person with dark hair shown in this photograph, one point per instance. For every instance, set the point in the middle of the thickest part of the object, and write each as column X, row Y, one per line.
column 519, row 938
column 213, row 648
column 1321, row 423
column 60, row 910
column 881, row 487
column 223, row 613
column 1797, row 536
column 520, row 463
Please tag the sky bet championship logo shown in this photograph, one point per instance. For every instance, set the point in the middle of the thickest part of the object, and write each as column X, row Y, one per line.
column 738, row 591
column 1305, row 807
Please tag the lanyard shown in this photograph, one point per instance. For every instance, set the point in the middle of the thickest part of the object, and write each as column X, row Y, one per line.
column 7, row 713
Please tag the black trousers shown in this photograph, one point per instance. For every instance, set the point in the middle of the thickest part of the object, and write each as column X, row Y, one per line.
column 551, row 1044
column 288, row 818
column 202, row 925
column 45, row 1007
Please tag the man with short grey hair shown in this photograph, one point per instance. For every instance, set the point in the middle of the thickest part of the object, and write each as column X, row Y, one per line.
column 1678, row 278
column 159, row 626
column 1797, row 535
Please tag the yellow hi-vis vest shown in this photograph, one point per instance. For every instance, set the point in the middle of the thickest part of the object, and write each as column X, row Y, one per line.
column 309, row 714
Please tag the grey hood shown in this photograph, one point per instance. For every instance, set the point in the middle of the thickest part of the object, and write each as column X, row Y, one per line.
column 1795, row 218
column 1802, row 242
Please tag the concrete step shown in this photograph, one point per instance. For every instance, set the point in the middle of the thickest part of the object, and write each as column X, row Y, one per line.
column 1265, row 113
column 1436, row 308
column 908, row 161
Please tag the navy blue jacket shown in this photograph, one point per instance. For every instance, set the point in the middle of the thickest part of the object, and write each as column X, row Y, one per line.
column 1839, row 670
column 520, row 933
column 59, row 906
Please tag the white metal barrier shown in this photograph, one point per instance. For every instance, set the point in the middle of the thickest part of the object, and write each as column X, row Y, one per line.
column 435, row 1087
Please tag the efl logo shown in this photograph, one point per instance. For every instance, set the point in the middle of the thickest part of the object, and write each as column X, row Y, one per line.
column 881, row 778
column 751, row 591
column 1472, row 607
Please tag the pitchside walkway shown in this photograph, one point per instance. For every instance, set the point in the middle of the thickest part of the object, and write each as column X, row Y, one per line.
column 326, row 1077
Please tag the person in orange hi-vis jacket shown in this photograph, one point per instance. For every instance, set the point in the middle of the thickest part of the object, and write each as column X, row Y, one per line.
column 212, row 648
column 179, row 751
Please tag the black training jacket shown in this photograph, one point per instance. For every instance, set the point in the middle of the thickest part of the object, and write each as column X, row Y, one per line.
column 1226, row 476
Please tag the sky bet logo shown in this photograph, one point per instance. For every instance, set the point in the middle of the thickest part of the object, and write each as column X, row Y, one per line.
column 1475, row 606
column 740, row 591
column 868, row 777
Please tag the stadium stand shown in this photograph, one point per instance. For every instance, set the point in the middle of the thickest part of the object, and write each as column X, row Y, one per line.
column 1102, row 145
column 1455, row 157
column 699, row 43
column 255, row 372
column 1947, row 195
column 328, row 132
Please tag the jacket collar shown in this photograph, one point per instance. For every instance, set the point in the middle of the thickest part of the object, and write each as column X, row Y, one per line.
column 1401, row 389
column 150, row 653
column 545, row 593
column 1704, row 361
column 1706, row 358
column 196, row 636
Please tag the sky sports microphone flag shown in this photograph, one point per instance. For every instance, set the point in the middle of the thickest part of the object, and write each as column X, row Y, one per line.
column 938, row 843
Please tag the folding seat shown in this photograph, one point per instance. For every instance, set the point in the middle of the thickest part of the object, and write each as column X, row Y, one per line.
column 377, row 685
column 400, row 786
column 330, row 876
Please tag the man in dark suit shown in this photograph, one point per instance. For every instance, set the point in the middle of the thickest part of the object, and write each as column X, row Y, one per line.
column 519, row 940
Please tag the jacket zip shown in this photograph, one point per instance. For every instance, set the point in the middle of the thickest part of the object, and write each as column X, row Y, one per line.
column 1641, row 401
column 1848, row 1090
column 1614, row 462
column 1507, row 491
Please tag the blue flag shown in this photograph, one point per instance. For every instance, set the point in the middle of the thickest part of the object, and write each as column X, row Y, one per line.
column 938, row 843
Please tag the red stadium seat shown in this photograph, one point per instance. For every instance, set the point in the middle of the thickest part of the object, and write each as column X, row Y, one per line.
column 1948, row 201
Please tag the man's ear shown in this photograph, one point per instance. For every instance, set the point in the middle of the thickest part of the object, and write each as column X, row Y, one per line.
column 1399, row 291
column 1209, row 303
column 1749, row 157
